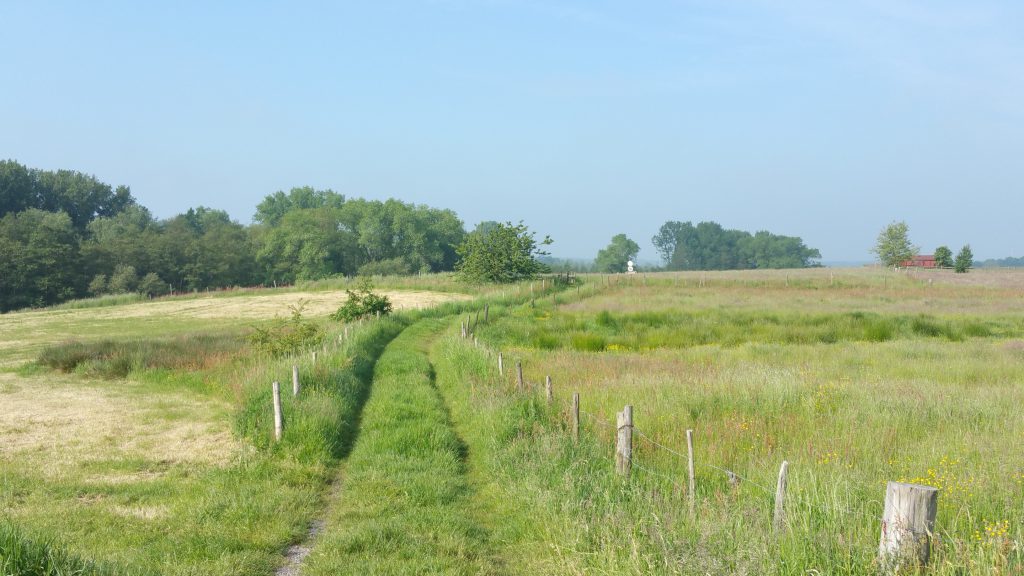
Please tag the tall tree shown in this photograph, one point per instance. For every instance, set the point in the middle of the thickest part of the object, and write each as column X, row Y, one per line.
column 943, row 257
column 506, row 253
column 893, row 245
column 40, row 253
column 964, row 260
column 616, row 255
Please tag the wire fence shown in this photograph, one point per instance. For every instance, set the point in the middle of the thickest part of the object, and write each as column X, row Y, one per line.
column 873, row 510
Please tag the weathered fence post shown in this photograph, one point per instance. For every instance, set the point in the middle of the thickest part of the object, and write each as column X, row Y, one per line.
column 314, row 356
column 624, row 441
column 346, row 331
column 501, row 368
column 487, row 312
column 780, row 498
column 462, row 329
column 547, row 389
column 576, row 416
column 277, row 411
column 908, row 523
column 519, row 376
column 691, row 495
column 295, row 380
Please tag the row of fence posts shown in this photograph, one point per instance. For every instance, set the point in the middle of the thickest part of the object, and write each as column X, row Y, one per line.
column 276, row 386
column 908, row 520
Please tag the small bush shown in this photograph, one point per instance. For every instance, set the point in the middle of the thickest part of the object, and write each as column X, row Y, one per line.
column 287, row 336
column 361, row 303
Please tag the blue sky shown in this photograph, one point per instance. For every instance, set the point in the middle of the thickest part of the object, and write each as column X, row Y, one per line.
column 825, row 120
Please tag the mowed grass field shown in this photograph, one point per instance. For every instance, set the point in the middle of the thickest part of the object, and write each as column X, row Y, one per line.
column 159, row 460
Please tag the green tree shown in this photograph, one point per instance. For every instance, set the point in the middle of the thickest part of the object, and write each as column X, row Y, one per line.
column 98, row 285
column 505, row 253
column 943, row 257
column 152, row 285
column 616, row 255
column 124, row 279
column 40, row 255
column 964, row 260
column 893, row 246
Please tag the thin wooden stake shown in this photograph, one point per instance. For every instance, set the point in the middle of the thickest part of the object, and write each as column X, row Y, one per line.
column 487, row 312
column 278, row 426
column 295, row 380
column 519, row 376
column 501, row 368
column 346, row 331
column 547, row 389
column 314, row 356
column 779, row 518
column 908, row 523
column 624, row 441
column 576, row 416
column 691, row 495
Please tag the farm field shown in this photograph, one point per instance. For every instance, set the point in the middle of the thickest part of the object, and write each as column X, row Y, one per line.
column 411, row 453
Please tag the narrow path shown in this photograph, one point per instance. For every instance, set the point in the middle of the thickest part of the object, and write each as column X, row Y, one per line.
column 406, row 506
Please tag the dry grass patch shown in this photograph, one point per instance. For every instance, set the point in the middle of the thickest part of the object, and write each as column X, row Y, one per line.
column 56, row 423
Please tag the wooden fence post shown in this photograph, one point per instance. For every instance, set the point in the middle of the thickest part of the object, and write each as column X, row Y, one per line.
column 692, row 480
column 295, row 380
column 624, row 441
column 780, row 498
column 346, row 331
column 519, row 376
column 487, row 312
column 576, row 416
column 501, row 368
column 547, row 389
column 277, row 411
column 908, row 523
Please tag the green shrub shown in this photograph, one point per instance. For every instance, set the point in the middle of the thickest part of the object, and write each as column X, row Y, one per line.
column 287, row 336
column 361, row 303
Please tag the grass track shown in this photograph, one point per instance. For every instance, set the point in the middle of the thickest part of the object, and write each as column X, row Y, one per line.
column 406, row 506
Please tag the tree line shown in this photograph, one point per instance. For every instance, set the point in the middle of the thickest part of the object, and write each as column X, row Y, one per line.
column 66, row 235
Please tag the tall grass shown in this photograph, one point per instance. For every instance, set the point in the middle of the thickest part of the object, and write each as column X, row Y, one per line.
column 21, row 556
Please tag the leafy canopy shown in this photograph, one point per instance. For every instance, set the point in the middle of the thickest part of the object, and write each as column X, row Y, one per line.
column 501, row 253
column 616, row 255
column 964, row 260
column 893, row 245
column 943, row 257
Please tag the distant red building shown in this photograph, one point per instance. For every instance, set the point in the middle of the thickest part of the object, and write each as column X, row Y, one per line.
column 920, row 261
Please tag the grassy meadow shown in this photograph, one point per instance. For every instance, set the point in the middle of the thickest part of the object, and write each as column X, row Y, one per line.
column 855, row 380
column 145, row 447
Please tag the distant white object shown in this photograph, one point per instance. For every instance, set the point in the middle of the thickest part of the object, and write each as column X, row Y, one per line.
column 629, row 268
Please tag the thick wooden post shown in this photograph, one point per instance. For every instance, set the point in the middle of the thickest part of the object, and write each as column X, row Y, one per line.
column 779, row 518
column 295, row 380
column 487, row 312
column 278, row 427
column 547, row 389
column 624, row 441
column 908, row 523
column 462, row 329
column 346, row 331
column 501, row 368
column 519, row 376
column 576, row 416
column 314, row 356
column 691, row 495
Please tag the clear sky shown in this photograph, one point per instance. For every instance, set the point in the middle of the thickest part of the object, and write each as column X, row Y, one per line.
column 825, row 120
